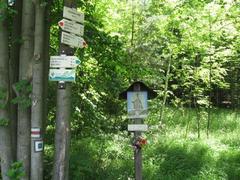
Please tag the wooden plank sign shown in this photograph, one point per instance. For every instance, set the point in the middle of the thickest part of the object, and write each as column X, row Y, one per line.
column 71, row 26
column 62, row 75
column 137, row 127
column 72, row 40
column 64, row 61
column 73, row 14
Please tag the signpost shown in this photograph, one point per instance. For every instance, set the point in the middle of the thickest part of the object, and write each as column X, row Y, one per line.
column 71, row 26
column 63, row 69
column 72, row 40
column 137, row 127
column 64, row 62
column 137, row 95
column 73, row 14
column 67, row 75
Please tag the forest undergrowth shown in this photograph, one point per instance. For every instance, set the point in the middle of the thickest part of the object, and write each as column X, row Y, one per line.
column 173, row 152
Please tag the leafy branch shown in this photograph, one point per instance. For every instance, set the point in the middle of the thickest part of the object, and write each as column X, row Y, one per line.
column 22, row 89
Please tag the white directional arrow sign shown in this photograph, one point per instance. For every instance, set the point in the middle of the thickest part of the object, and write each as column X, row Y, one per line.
column 71, row 26
column 72, row 40
column 64, row 61
column 73, row 14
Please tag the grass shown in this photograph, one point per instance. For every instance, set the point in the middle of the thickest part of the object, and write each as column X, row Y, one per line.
column 173, row 152
column 182, row 155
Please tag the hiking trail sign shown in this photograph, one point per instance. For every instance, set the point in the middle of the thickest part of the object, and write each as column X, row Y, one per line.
column 64, row 61
column 62, row 75
column 73, row 14
column 71, row 26
column 72, row 40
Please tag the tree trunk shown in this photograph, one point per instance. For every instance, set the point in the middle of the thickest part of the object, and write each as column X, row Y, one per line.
column 5, row 141
column 14, row 71
column 165, row 89
column 37, row 92
column 46, row 62
column 25, row 73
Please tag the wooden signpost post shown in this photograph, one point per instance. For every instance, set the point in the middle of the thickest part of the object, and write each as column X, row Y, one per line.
column 137, row 95
column 62, row 69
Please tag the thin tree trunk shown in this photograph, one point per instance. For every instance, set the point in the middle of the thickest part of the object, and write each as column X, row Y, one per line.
column 14, row 71
column 210, row 78
column 25, row 73
column 37, row 91
column 5, row 137
column 46, row 62
column 198, row 122
column 165, row 89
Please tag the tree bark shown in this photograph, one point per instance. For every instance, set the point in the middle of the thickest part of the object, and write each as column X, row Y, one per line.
column 46, row 62
column 37, row 91
column 62, row 134
column 14, row 71
column 5, row 137
column 25, row 73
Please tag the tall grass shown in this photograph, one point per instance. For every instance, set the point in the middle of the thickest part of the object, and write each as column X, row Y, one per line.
column 182, row 155
column 173, row 152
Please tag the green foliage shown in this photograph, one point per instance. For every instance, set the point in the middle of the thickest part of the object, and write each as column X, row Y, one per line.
column 229, row 162
column 24, row 102
column 8, row 12
column 170, row 153
column 48, row 162
column 173, row 154
column 177, row 160
column 3, row 98
column 23, row 89
column 43, row 3
column 104, row 158
column 16, row 171
column 200, row 37
column 4, row 122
